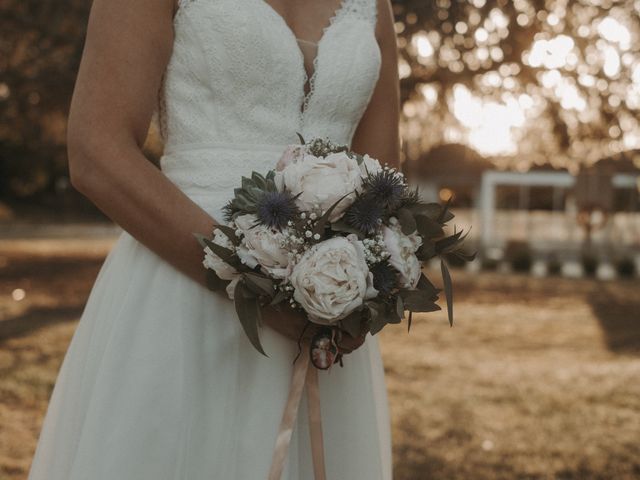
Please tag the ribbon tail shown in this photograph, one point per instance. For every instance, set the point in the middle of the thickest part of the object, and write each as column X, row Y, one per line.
column 289, row 416
column 315, row 424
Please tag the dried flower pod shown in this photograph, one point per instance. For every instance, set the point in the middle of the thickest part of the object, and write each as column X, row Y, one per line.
column 323, row 349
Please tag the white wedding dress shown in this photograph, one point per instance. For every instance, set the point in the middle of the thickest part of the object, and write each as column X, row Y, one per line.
column 159, row 382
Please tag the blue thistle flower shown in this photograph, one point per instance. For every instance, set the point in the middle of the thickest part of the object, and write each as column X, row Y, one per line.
column 275, row 209
column 386, row 186
column 364, row 214
column 410, row 198
column 385, row 277
column 230, row 210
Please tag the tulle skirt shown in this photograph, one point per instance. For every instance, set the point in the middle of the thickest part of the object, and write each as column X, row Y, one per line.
column 160, row 383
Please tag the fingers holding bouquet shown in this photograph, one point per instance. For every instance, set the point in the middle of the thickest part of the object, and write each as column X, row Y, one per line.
column 347, row 344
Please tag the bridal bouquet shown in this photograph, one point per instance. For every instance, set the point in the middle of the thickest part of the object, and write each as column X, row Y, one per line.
column 334, row 234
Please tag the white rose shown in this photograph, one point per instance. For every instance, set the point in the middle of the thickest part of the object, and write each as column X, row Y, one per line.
column 213, row 262
column 222, row 269
column 332, row 279
column 262, row 246
column 369, row 166
column 321, row 182
column 231, row 288
column 402, row 250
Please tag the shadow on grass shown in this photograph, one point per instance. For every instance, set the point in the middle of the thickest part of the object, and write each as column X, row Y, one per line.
column 446, row 456
column 620, row 321
column 37, row 318
column 412, row 460
column 51, row 267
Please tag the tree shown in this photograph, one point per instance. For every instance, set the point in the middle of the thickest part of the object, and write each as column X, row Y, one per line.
column 525, row 81
column 40, row 51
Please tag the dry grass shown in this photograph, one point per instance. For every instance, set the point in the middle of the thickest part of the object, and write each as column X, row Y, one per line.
column 539, row 379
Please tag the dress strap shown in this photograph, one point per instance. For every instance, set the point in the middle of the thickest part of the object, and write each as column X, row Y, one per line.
column 182, row 5
column 365, row 9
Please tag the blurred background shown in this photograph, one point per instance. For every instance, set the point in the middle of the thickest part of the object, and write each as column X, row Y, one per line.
column 526, row 112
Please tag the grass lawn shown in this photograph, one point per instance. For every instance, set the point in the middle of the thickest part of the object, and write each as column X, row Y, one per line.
column 538, row 379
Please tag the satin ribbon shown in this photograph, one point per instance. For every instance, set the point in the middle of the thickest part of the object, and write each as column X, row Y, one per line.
column 303, row 375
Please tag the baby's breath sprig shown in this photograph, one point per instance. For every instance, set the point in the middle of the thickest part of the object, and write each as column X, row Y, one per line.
column 375, row 250
column 301, row 234
column 286, row 290
column 293, row 242
column 321, row 147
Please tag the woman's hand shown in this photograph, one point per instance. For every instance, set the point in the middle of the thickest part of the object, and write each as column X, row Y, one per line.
column 347, row 344
column 295, row 326
column 289, row 322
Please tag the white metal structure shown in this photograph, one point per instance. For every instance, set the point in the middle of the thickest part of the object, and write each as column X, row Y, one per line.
column 558, row 180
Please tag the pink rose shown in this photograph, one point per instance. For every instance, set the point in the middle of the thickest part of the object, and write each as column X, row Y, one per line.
column 290, row 155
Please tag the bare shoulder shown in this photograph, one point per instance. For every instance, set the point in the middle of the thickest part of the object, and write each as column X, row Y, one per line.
column 127, row 47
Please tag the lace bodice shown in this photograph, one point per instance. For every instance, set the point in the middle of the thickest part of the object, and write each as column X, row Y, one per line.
column 236, row 90
column 237, row 74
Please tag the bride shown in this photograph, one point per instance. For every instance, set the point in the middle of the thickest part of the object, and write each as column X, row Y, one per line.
column 159, row 381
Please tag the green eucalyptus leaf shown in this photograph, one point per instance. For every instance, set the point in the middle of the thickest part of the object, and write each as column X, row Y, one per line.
column 460, row 255
column 278, row 298
column 373, row 307
column 376, row 320
column 352, row 324
column 248, row 309
column 214, row 282
column 399, row 306
column 448, row 290
column 322, row 221
column 446, row 215
column 377, row 323
column 448, row 243
column 427, row 227
column 407, row 221
column 417, row 301
column 426, row 251
column 201, row 239
column 259, row 284
column 225, row 254
column 431, row 210
column 427, row 287
column 341, row 226
column 230, row 233
column 389, row 312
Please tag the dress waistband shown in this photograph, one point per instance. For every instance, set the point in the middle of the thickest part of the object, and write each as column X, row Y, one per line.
column 208, row 167
column 228, row 146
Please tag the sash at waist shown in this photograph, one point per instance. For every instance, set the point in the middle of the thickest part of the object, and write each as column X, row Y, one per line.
column 208, row 172
column 228, row 146
column 217, row 165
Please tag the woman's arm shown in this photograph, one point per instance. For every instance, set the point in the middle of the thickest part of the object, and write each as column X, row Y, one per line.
column 128, row 46
column 377, row 134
